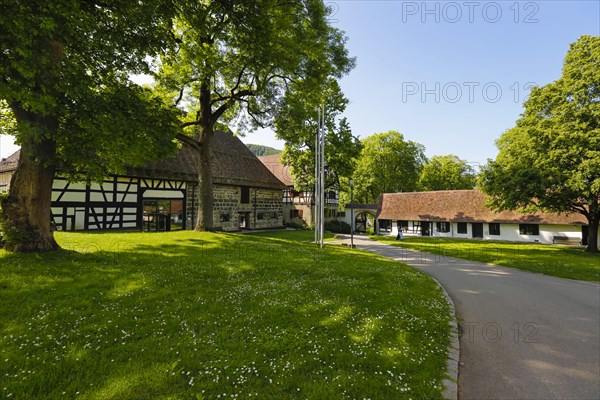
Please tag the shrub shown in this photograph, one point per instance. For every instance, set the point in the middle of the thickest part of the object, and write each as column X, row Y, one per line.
column 337, row 227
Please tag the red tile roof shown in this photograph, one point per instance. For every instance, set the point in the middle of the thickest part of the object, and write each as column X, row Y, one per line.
column 282, row 172
column 460, row 206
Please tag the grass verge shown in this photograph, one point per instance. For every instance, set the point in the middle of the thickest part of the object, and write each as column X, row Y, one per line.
column 212, row 316
column 555, row 260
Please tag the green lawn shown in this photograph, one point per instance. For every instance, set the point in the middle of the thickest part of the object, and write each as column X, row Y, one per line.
column 561, row 261
column 187, row 316
column 301, row 235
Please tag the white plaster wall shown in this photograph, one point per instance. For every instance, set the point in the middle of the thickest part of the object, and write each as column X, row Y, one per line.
column 548, row 231
column 508, row 232
column 162, row 194
column 5, row 180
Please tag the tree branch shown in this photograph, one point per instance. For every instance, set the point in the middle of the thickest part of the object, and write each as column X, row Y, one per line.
column 239, row 79
column 285, row 78
column 255, row 119
column 232, row 96
column 188, row 140
column 581, row 210
column 217, row 114
column 179, row 98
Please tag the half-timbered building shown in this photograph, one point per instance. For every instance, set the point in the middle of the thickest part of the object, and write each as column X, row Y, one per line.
column 163, row 195
column 463, row 214
column 298, row 205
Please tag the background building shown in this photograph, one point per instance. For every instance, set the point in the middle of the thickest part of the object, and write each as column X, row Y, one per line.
column 462, row 214
column 299, row 205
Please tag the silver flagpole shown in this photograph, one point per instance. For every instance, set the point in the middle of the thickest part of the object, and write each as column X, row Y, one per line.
column 316, row 188
column 323, row 175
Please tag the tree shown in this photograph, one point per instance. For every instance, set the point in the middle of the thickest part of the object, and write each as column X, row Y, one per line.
column 446, row 173
column 64, row 81
column 550, row 160
column 233, row 63
column 387, row 164
column 297, row 124
column 259, row 150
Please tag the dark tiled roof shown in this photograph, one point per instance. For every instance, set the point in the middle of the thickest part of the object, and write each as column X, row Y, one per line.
column 459, row 206
column 233, row 163
column 10, row 163
column 282, row 172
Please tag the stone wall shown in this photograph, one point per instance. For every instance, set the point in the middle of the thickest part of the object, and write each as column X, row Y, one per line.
column 264, row 210
column 226, row 207
column 268, row 209
column 191, row 206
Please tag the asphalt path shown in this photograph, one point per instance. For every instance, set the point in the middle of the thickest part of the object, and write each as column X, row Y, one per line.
column 522, row 335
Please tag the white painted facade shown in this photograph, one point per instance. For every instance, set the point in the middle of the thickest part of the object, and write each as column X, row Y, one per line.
column 508, row 232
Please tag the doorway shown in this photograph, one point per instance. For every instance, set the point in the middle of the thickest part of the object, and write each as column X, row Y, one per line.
column 163, row 215
column 244, row 220
column 477, row 230
column 585, row 233
column 425, row 228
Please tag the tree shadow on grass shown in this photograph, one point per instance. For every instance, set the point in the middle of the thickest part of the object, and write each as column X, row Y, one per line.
column 232, row 314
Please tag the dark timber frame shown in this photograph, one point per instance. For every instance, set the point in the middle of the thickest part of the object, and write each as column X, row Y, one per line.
column 114, row 204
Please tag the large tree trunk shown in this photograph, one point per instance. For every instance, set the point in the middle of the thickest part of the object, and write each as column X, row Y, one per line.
column 27, row 208
column 592, row 246
column 205, row 183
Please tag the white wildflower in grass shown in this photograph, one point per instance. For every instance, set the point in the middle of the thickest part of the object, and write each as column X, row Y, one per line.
column 191, row 321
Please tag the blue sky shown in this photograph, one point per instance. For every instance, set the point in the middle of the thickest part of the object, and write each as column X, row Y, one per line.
column 398, row 54
column 449, row 75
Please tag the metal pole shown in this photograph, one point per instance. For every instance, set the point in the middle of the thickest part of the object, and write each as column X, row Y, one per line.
column 351, row 214
column 322, row 217
column 316, row 192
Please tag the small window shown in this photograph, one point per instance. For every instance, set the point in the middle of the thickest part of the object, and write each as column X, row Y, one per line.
column 286, row 197
column 494, row 229
column 529, row 229
column 295, row 213
column 300, row 213
column 260, row 215
column 273, row 215
column 245, row 196
column 385, row 225
column 461, row 227
column 224, row 218
column 443, row 227
column 332, row 195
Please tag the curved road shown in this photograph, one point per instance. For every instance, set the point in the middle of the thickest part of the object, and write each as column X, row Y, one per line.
column 523, row 335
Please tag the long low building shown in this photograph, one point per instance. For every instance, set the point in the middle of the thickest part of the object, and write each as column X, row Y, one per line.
column 163, row 195
column 463, row 214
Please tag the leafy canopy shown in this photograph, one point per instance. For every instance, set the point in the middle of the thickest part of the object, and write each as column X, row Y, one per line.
column 387, row 164
column 446, row 173
column 297, row 124
column 64, row 73
column 235, row 59
column 551, row 159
